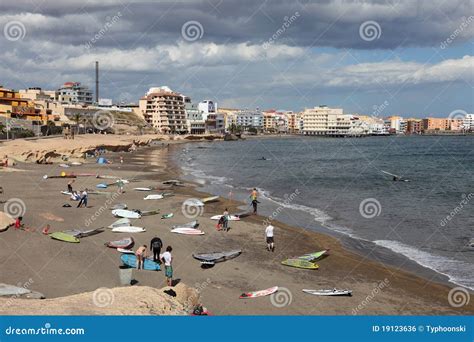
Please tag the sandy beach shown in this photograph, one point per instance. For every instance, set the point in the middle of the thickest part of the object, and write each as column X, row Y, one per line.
column 59, row 269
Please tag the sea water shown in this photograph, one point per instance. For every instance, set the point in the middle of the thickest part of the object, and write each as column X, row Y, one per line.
column 336, row 186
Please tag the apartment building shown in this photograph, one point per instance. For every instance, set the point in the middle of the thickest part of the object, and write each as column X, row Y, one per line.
column 327, row 121
column 74, row 93
column 164, row 109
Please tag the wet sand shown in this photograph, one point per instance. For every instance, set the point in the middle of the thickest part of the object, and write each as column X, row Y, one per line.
column 57, row 268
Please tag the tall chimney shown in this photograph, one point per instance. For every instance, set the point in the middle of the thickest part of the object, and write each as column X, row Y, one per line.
column 97, row 81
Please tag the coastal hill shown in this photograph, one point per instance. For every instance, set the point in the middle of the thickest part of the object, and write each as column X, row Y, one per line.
column 132, row 300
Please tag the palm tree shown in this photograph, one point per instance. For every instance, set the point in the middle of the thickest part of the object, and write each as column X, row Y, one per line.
column 76, row 118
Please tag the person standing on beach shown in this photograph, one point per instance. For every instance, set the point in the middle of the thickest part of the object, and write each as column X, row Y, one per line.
column 141, row 255
column 69, row 186
column 269, row 238
column 155, row 246
column 167, row 259
column 225, row 220
column 120, row 186
column 83, row 199
column 253, row 198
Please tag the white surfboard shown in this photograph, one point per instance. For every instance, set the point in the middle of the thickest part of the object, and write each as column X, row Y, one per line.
column 126, row 214
column 231, row 218
column 153, row 197
column 125, row 251
column 187, row 231
column 129, row 229
column 142, row 189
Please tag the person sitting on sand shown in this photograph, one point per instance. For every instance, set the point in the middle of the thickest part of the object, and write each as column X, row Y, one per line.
column 46, row 229
column 141, row 255
column 167, row 259
column 75, row 196
column 18, row 222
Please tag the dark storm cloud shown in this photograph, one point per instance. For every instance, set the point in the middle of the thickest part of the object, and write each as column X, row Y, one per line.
column 319, row 23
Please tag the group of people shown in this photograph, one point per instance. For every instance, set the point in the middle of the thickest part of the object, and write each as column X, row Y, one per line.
column 162, row 258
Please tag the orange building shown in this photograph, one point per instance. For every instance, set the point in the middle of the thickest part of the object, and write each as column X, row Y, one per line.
column 436, row 124
column 14, row 107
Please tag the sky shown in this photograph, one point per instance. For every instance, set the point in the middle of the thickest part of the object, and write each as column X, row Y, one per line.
column 379, row 57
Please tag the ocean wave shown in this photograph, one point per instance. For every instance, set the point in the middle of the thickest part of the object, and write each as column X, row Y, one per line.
column 457, row 271
column 319, row 215
column 202, row 178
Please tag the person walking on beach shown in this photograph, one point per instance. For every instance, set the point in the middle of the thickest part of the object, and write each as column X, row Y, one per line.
column 69, row 186
column 269, row 238
column 167, row 259
column 155, row 246
column 253, row 198
column 83, row 200
column 120, row 186
column 141, row 255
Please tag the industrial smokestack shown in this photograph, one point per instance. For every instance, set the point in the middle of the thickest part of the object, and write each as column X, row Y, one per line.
column 97, row 81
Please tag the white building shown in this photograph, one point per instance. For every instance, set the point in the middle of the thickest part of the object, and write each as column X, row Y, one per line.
column 327, row 121
column 249, row 118
column 194, row 119
column 207, row 107
column 74, row 93
column 468, row 122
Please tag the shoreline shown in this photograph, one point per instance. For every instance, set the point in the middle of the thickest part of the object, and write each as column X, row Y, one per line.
column 60, row 269
column 365, row 249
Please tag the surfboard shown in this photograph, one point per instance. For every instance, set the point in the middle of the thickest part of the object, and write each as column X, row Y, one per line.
column 334, row 292
column 128, row 229
column 167, row 216
column 154, row 197
column 120, row 223
column 126, row 214
column 127, row 242
column 298, row 263
column 64, row 237
column 131, row 261
column 210, row 199
column 142, row 189
column 125, row 251
column 260, row 293
column 231, row 218
column 187, row 231
column 312, row 256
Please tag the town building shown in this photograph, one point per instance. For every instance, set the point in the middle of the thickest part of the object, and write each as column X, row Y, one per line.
column 327, row 121
column 194, row 120
column 395, row 124
column 16, row 108
column 164, row 110
column 414, row 126
column 74, row 93
column 249, row 119
column 468, row 123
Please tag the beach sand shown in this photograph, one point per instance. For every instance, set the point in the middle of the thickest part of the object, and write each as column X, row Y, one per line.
column 58, row 269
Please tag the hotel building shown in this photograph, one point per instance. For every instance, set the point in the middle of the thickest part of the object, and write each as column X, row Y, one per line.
column 164, row 109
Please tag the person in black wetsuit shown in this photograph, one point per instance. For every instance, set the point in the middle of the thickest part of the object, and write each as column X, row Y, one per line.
column 155, row 246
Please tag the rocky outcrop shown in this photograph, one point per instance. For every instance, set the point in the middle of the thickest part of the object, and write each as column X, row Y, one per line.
column 132, row 300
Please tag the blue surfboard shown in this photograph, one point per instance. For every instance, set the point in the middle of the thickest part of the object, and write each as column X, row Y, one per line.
column 131, row 261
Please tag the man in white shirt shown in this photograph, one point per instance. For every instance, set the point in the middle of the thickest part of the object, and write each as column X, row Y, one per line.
column 269, row 237
column 167, row 259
